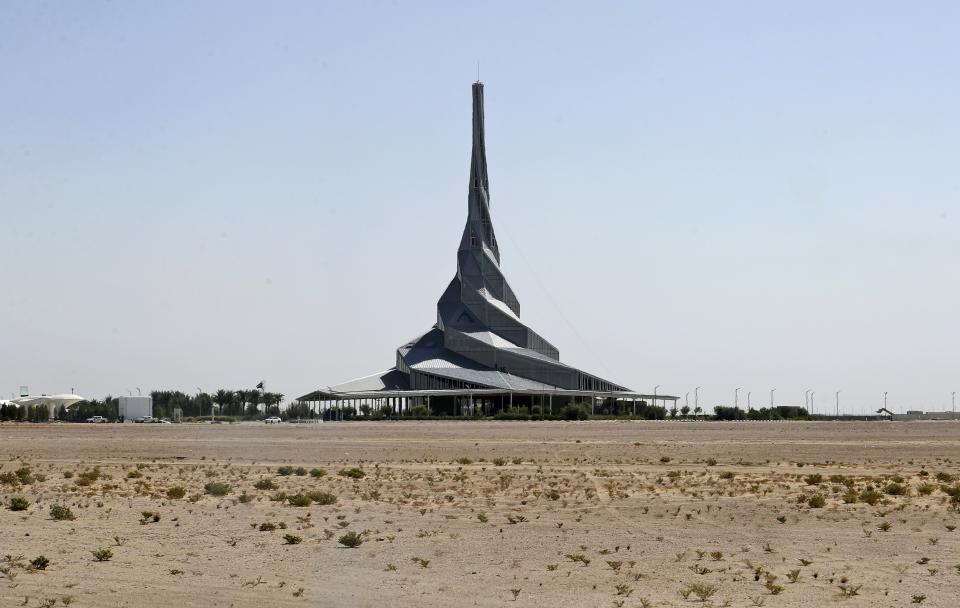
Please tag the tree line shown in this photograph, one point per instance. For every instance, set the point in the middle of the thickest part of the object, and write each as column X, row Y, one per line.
column 28, row 413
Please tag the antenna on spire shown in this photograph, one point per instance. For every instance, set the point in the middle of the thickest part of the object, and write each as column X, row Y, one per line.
column 478, row 70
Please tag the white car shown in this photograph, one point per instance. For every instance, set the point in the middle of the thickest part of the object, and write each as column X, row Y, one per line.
column 144, row 419
column 97, row 419
column 273, row 420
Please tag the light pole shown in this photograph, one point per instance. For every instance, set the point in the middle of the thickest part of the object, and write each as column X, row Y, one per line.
column 696, row 396
column 749, row 408
column 812, row 393
column 772, row 391
column 838, row 404
column 806, row 399
column 655, row 395
column 736, row 396
column 953, row 404
column 885, row 400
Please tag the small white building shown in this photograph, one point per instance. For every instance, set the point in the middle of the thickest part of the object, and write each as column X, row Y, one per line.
column 132, row 408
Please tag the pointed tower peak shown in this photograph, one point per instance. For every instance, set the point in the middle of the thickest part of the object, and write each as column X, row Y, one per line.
column 478, row 159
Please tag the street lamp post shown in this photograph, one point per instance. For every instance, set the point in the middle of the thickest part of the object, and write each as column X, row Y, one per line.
column 772, row 391
column 749, row 408
column 838, row 404
column 812, row 393
column 655, row 394
column 953, row 404
column 806, row 399
column 736, row 396
column 696, row 397
column 885, row 400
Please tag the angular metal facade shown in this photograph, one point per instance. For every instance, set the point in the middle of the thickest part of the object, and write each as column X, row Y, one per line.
column 479, row 341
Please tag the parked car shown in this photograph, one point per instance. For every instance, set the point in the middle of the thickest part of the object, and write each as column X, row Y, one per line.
column 144, row 419
column 96, row 419
column 273, row 420
column 162, row 421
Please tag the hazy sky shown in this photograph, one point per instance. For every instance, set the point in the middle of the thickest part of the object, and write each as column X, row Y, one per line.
column 721, row 194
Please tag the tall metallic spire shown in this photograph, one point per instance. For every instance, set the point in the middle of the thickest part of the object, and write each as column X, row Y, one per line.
column 478, row 158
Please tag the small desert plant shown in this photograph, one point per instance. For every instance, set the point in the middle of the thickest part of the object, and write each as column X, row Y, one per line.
column 102, row 555
column 847, row 590
column 351, row 540
column 464, row 460
column 615, row 565
column 290, row 539
column 716, row 555
column 578, row 557
column 871, row 497
column 267, row 526
column 39, row 563
column 711, row 462
column 664, row 459
column 817, row 501
column 499, row 462
column 794, row 575
column 19, row 503
column 918, row 599
column 702, row 591
column 318, row 472
column 300, row 471
column 354, row 473
column 285, row 470
column 265, row 484
column 321, row 497
column 176, row 492
column 61, row 513
column 814, row 479
column 624, row 589
column 896, row 489
column 885, row 526
column 217, row 488
column 299, row 500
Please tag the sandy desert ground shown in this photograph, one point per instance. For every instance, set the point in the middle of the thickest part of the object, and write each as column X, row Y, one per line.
column 481, row 514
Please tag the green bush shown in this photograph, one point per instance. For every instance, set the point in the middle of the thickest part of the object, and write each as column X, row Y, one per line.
column 102, row 555
column 19, row 503
column 354, row 473
column 817, row 501
column 896, row 489
column 176, row 492
column 217, row 488
column 575, row 411
column 317, row 472
column 39, row 563
column 290, row 539
column 299, row 500
column 61, row 513
column 285, row 470
column 265, row 484
column 321, row 497
column 300, row 471
column 351, row 540
column 871, row 497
